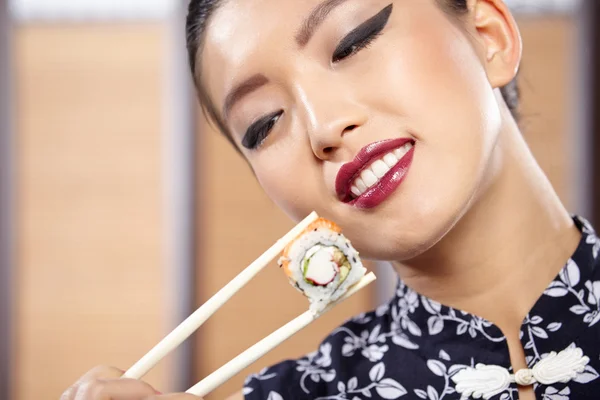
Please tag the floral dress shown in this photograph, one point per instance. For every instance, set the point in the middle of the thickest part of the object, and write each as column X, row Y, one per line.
column 416, row 348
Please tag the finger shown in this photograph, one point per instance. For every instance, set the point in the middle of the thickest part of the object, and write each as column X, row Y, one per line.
column 174, row 396
column 101, row 372
column 69, row 394
column 114, row 389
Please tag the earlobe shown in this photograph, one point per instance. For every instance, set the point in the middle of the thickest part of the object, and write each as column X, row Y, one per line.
column 501, row 40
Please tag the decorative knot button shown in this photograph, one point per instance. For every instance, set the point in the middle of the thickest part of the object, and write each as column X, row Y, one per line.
column 487, row 381
column 524, row 377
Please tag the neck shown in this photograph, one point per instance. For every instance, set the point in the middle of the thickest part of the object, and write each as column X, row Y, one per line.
column 511, row 243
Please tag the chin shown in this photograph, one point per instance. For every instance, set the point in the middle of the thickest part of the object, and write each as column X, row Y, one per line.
column 401, row 236
column 395, row 247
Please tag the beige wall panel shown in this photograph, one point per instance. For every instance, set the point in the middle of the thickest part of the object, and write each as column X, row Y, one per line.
column 90, row 244
column 547, row 88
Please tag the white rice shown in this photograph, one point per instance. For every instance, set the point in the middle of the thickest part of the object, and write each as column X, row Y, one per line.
column 321, row 296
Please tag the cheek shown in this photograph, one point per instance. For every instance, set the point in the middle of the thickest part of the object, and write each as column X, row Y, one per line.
column 435, row 78
column 438, row 86
column 443, row 90
column 286, row 179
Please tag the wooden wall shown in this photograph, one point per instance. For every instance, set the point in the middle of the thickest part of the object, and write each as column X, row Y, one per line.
column 90, row 277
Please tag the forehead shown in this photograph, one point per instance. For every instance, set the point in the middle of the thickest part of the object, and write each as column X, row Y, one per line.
column 235, row 19
column 245, row 36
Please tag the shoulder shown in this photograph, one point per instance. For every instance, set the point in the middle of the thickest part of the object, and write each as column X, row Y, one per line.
column 346, row 352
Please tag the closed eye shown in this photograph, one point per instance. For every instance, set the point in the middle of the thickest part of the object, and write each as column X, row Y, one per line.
column 363, row 35
column 259, row 130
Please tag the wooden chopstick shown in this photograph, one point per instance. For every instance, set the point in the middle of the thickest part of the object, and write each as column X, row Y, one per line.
column 267, row 344
column 196, row 319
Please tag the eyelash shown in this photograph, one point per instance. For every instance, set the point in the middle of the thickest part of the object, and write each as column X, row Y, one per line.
column 341, row 54
column 258, row 131
column 361, row 37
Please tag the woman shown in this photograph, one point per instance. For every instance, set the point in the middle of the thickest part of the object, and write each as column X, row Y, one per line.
column 397, row 120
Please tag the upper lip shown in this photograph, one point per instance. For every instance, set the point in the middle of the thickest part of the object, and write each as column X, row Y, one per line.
column 349, row 171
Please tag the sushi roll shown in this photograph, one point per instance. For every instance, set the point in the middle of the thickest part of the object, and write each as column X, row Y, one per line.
column 322, row 264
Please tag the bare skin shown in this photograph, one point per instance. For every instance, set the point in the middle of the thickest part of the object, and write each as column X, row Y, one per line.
column 475, row 225
column 105, row 383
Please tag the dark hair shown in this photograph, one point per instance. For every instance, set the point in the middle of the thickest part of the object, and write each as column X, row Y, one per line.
column 200, row 11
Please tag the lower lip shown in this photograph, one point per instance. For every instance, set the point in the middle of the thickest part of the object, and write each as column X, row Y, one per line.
column 387, row 184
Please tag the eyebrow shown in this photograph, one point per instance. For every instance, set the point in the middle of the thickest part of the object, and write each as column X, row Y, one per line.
column 242, row 90
column 315, row 19
column 307, row 30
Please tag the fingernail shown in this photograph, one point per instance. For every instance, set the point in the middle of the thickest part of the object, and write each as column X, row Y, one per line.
column 157, row 392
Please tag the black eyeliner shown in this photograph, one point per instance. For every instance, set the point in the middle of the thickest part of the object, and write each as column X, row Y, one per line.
column 363, row 33
column 259, row 130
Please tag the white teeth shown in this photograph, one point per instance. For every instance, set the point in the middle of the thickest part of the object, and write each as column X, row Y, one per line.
column 390, row 160
column 401, row 152
column 368, row 177
column 360, row 185
column 371, row 175
column 379, row 168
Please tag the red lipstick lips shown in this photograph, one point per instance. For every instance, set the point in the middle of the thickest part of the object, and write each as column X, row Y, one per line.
column 386, row 185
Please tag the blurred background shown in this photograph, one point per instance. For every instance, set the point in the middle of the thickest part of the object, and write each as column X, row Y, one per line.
column 121, row 212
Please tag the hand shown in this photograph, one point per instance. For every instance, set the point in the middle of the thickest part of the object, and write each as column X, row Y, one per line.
column 104, row 383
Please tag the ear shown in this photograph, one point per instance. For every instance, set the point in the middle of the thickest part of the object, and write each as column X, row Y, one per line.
column 501, row 40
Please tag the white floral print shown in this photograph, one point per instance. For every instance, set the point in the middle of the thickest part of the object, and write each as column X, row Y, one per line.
column 590, row 237
column 439, row 317
column 552, row 393
column 316, row 366
column 263, row 375
column 371, row 344
column 386, row 388
column 588, row 301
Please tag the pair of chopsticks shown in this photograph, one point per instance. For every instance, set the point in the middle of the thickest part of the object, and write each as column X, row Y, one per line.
column 196, row 319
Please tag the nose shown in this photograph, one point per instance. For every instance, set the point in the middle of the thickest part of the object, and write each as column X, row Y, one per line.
column 331, row 114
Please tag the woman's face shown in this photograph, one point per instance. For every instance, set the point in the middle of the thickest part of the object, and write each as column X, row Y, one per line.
column 319, row 94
